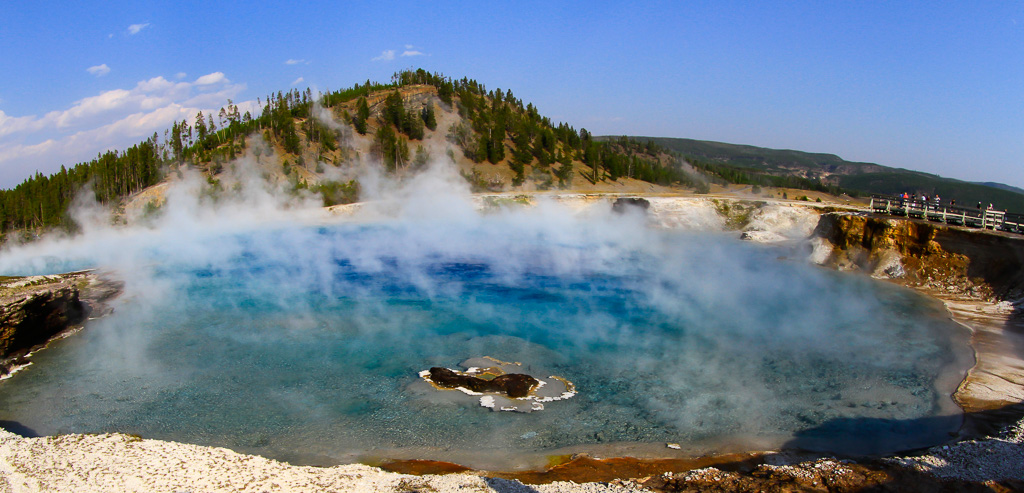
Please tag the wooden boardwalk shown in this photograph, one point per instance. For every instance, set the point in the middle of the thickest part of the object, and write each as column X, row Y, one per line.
column 948, row 214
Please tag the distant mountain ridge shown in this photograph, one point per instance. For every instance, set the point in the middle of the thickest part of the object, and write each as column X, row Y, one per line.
column 748, row 156
column 832, row 169
column 1001, row 186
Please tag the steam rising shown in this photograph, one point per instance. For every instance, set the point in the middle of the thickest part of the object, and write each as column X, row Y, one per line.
column 670, row 330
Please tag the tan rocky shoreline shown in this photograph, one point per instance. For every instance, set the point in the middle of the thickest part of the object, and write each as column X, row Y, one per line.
column 915, row 256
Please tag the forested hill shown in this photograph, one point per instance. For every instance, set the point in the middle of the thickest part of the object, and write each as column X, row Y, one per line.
column 496, row 140
column 836, row 172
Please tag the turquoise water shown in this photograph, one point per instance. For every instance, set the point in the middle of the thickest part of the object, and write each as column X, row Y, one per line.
column 304, row 344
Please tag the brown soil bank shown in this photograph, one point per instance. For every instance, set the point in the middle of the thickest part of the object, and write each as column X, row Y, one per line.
column 978, row 274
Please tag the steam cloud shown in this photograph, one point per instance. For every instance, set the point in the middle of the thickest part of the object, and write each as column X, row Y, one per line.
column 708, row 336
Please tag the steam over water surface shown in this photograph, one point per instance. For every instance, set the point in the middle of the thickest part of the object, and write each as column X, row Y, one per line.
column 304, row 343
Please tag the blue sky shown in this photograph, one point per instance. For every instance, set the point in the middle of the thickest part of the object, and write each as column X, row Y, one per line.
column 931, row 86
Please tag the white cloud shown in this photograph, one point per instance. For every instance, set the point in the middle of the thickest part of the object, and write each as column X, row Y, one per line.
column 384, row 56
column 113, row 119
column 292, row 61
column 89, row 107
column 98, row 70
column 408, row 47
column 135, row 28
column 298, row 81
column 20, row 151
column 10, row 124
column 180, row 75
column 214, row 99
column 213, row 78
column 412, row 53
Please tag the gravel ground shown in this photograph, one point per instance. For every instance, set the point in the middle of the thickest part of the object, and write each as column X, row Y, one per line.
column 996, row 458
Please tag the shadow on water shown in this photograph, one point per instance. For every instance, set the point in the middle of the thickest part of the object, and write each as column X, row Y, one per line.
column 19, row 429
column 879, row 436
column 867, row 439
column 507, row 486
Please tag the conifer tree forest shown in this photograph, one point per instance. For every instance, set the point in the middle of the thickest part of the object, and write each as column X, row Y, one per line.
column 496, row 127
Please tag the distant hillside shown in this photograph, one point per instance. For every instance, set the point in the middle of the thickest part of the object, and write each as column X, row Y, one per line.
column 770, row 160
column 831, row 169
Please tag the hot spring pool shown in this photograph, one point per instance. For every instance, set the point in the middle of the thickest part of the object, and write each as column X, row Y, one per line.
column 303, row 343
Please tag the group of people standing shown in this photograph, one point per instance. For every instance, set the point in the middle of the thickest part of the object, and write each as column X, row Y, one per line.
column 925, row 200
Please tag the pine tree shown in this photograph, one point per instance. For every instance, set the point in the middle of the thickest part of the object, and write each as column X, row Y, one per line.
column 496, row 145
column 412, row 125
column 429, row 119
column 394, row 109
column 176, row 141
column 362, row 114
column 564, row 171
column 201, row 130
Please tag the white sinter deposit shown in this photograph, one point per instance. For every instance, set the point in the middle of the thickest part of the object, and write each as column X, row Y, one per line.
column 775, row 223
column 116, row 462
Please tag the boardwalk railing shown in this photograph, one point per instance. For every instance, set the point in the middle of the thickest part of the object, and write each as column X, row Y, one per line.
column 949, row 214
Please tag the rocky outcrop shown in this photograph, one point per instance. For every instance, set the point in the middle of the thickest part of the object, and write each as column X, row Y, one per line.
column 952, row 260
column 36, row 309
column 33, row 317
column 514, row 385
column 624, row 204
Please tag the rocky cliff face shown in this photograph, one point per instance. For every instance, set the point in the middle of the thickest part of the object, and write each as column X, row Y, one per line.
column 34, row 310
column 979, row 265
